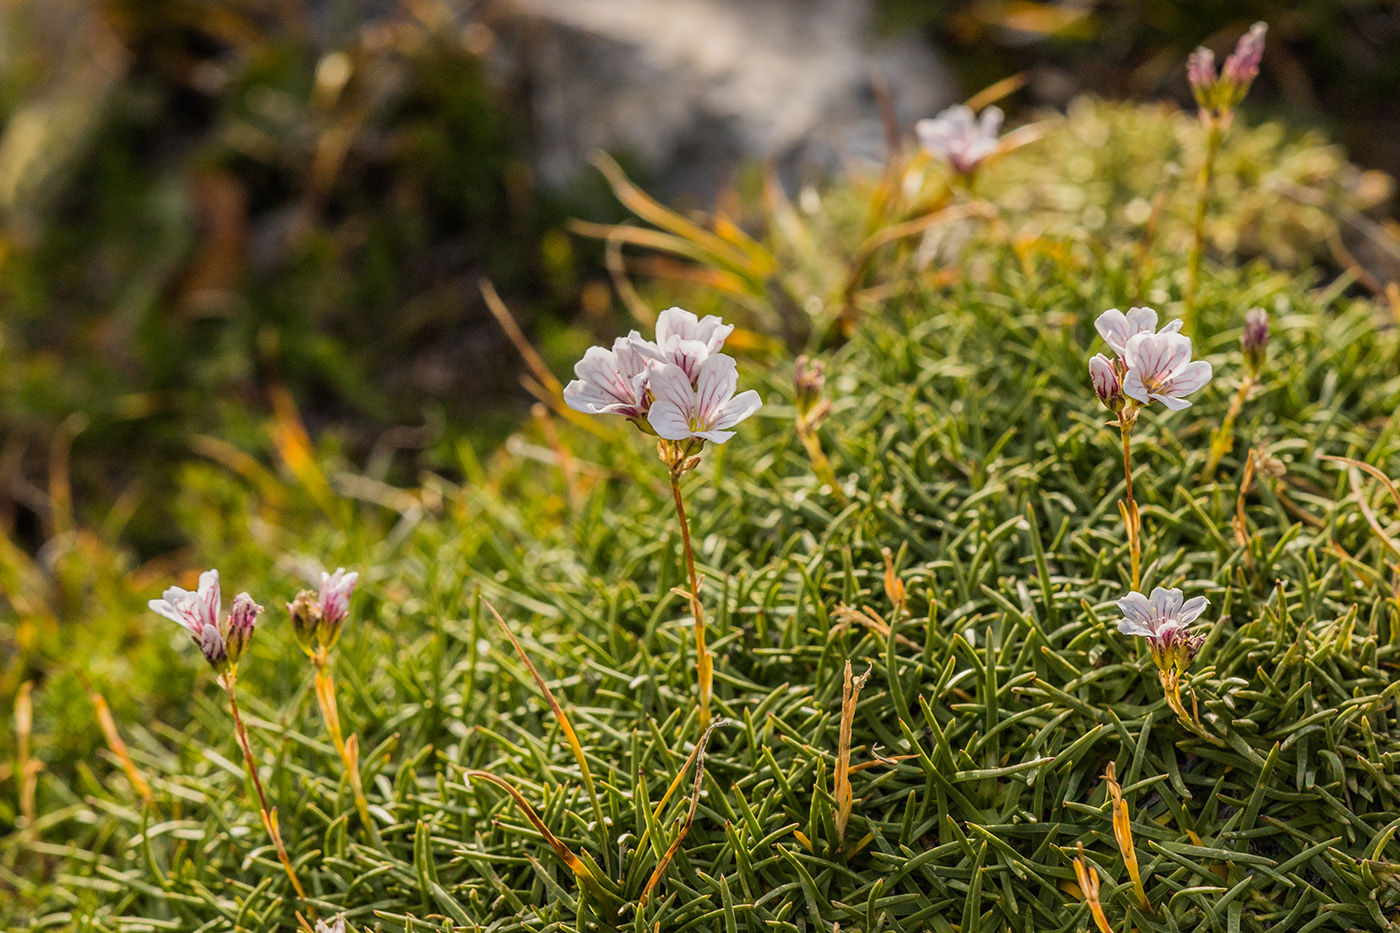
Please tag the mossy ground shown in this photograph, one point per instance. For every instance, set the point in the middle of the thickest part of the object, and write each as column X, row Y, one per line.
column 967, row 441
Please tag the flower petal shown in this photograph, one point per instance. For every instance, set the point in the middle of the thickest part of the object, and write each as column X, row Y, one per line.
column 714, row 386
column 1192, row 609
column 1165, row 602
column 1188, row 378
column 1133, row 387
column 210, row 597
column 1136, row 607
column 1112, row 326
column 669, row 382
column 737, row 409
column 1170, row 403
column 669, row 420
column 1141, row 321
column 1133, row 627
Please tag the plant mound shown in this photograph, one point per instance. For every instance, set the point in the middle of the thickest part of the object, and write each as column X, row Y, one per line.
column 965, row 438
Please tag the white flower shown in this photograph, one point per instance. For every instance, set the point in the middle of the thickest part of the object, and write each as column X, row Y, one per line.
column 706, row 409
column 956, row 136
column 611, row 382
column 1118, row 328
column 1164, row 620
column 195, row 611
column 1160, row 369
column 1157, row 616
column 337, row 925
column 685, row 340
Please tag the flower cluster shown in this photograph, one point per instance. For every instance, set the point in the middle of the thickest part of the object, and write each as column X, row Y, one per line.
column 1164, row 619
column 317, row 617
column 198, row 612
column 677, row 387
column 1152, row 366
column 963, row 140
column 1218, row 94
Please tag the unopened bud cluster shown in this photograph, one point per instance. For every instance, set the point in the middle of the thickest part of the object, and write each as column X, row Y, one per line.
column 1219, row 94
column 318, row 617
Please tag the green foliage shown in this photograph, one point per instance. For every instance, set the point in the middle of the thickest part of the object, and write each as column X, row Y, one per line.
column 967, row 440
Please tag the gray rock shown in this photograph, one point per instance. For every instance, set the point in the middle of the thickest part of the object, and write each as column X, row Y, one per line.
column 692, row 88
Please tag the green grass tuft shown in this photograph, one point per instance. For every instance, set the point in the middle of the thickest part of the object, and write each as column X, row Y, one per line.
column 966, row 436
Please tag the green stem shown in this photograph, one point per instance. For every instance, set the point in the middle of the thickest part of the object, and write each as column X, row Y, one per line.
column 269, row 816
column 330, row 712
column 1131, row 519
column 820, row 464
column 704, row 663
column 1222, row 439
column 1214, row 132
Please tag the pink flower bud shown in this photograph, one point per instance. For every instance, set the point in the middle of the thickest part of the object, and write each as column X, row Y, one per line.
column 212, row 644
column 1200, row 72
column 335, row 602
column 241, row 620
column 1242, row 66
column 305, row 611
column 1107, row 385
column 1255, row 341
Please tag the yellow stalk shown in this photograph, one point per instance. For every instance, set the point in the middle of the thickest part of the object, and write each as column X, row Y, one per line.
column 347, row 749
column 698, row 756
column 26, row 768
column 1123, row 832
column 565, row 726
column 894, row 586
column 845, row 797
column 566, row 855
column 1089, row 885
column 118, row 747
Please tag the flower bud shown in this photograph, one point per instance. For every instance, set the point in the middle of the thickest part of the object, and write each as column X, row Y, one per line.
column 240, row 626
column 1243, row 65
column 1255, row 341
column 1107, row 386
column 335, row 603
column 1200, row 72
column 305, row 611
column 809, row 379
column 212, row 644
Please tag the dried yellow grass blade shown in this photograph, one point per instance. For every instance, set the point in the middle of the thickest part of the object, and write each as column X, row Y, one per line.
column 697, row 756
column 1089, row 887
column 115, row 743
column 845, row 797
column 559, row 715
column 752, row 260
column 1123, row 833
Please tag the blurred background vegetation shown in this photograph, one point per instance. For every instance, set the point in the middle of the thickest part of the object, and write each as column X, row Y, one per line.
column 219, row 216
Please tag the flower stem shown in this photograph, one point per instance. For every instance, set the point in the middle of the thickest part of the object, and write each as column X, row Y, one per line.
column 1223, row 437
column 704, row 663
column 349, row 752
column 1171, row 687
column 269, row 816
column 820, row 464
column 1132, row 523
column 1214, row 132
